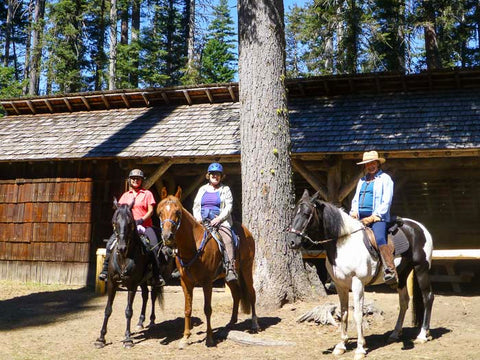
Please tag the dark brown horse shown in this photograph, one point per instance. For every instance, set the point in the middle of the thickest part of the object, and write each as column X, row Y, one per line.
column 128, row 267
column 199, row 261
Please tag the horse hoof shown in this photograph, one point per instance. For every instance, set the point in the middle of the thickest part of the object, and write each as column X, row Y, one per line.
column 359, row 356
column 338, row 351
column 139, row 327
column 99, row 344
column 210, row 343
column 127, row 344
column 183, row 344
column 420, row 340
column 392, row 339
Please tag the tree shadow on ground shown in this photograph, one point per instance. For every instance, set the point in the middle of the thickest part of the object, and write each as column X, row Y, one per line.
column 43, row 308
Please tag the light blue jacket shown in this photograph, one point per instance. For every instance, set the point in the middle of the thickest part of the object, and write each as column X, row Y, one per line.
column 382, row 195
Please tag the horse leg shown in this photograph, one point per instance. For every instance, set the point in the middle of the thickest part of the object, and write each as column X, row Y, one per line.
column 236, row 293
column 111, row 291
column 425, row 285
column 153, row 295
column 207, row 309
column 342, row 292
column 141, row 319
column 403, row 300
column 128, row 342
column 358, row 300
column 188, row 296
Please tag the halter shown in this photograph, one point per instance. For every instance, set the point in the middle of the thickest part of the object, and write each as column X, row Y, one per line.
column 303, row 234
column 174, row 223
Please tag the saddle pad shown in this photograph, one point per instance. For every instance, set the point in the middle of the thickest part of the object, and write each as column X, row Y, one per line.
column 367, row 240
column 400, row 242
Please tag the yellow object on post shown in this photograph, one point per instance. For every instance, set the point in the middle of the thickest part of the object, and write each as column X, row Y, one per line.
column 100, row 285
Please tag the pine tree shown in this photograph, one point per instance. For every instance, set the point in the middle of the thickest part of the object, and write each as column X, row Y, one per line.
column 218, row 61
column 163, row 55
column 66, row 48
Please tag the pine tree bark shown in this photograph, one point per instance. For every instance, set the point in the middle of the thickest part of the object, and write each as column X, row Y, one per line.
column 431, row 44
column 267, row 192
column 113, row 45
column 34, row 78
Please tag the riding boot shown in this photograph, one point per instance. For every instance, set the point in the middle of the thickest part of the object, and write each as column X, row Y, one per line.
column 390, row 273
column 104, row 274
column 160, row 281
column 231, row 274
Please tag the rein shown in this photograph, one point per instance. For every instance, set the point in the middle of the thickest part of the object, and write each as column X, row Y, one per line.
column 318, row 242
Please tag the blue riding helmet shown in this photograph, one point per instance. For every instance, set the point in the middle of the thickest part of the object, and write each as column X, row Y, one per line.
column 215, row 167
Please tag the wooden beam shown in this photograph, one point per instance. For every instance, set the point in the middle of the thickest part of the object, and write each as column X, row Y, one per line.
column 145, row 98
column 209, row 95
column 125, row 100
column 312, row 180
column 193, row 186
column 105, row 101
column 165, row 97
column 232, row 93
column 86, row 103
column 14, row 107
column 67, row 102
column 49, row 105
column 157, row 174
column 187, row 96
column 349, row 187
column 32, row 108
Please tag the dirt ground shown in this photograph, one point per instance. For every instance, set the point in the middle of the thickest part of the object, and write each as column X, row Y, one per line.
column 60, row 322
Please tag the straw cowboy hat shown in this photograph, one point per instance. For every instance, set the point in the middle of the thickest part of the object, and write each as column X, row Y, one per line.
column 370, row 156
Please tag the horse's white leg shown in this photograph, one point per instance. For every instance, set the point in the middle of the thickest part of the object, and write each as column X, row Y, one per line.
column 342, row 292
column 403, row 300
column 358, row 299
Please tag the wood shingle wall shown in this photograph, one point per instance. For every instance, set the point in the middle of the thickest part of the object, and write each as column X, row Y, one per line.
column 45, row 229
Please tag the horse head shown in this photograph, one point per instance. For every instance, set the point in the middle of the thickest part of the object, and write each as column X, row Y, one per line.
column 169, row 212
column 123, row 225
column 304, row 217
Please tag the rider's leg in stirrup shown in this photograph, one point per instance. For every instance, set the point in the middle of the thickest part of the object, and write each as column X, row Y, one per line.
column 104, row 274
column 150, row 233
column 229, row 254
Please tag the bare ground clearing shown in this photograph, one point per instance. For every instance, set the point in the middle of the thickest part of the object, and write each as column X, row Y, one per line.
column 61, row 322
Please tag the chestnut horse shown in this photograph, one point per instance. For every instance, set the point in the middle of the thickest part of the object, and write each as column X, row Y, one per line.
column 199, row 261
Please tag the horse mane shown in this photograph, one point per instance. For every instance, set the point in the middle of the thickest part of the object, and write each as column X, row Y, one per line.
column 332, row 219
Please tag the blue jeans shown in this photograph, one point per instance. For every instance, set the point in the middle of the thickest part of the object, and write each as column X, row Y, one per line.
column 380, row 230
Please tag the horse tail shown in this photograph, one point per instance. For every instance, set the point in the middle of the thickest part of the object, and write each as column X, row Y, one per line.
column 418, row 307
column 244, row 299
column 160, row 297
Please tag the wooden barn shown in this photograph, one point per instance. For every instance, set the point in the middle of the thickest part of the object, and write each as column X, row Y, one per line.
column 63, row 158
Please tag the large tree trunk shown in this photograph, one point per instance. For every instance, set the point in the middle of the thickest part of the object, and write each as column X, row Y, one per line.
column 191, row 36
column 267, row 194
column 431, row 44
column 34, row 78
column 113, row 45
column 135, row 39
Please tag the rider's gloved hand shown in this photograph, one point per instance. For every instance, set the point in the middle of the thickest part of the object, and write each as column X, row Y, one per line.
column 139, row 221
column 215, row 222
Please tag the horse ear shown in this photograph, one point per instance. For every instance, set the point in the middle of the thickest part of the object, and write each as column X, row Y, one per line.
column 178, row 195
column 316, row 195
column 306, row 194
column 115, row 203
column 164, row 193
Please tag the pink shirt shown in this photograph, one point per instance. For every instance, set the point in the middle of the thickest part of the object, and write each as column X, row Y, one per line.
column 140, row 207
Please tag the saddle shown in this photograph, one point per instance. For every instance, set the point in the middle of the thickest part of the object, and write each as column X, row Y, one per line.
column 397, row 240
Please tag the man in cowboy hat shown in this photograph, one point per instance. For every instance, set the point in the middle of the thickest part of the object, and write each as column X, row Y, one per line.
column 371, row 205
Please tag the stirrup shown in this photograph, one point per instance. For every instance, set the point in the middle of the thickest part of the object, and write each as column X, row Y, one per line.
column 103, row 276
column 390, row 278
column 161, row 281
column 231, row 275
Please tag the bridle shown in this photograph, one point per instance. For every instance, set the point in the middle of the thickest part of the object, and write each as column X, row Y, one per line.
column 312, row 206
column 176, row 224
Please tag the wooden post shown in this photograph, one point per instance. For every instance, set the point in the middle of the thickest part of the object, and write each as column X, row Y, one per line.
column 100, row 285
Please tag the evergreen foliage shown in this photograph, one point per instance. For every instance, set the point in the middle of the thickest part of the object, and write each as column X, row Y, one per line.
column 322, row 37
column 218, row 61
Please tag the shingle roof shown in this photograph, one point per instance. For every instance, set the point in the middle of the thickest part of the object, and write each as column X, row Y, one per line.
column 349, row 123
column 388, row 122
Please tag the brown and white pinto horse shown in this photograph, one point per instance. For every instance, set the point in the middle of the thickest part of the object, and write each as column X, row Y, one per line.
column 199, row 261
